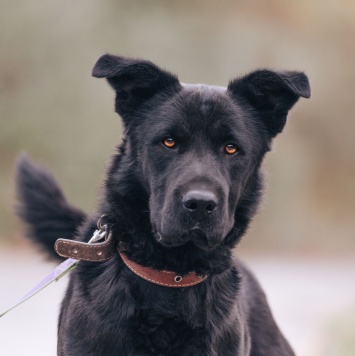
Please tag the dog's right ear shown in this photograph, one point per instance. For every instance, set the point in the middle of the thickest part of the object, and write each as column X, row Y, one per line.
column 135, row 81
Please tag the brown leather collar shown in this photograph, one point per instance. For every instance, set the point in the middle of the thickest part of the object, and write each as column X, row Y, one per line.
column 162, row 277
column 103, row 251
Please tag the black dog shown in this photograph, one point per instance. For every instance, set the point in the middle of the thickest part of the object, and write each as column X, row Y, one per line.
column 178, row 196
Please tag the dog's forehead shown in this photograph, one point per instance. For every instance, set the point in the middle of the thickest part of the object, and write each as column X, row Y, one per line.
column 204, row 98
column 211, row 103
column 199, row 110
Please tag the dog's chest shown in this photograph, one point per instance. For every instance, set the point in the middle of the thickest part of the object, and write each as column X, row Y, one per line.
column 165, row 334
column 167, row 321
column 190, row 321
column 132, row 314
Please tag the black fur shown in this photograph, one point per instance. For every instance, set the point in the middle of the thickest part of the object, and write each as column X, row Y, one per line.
column 182, row 209
column 43, row 206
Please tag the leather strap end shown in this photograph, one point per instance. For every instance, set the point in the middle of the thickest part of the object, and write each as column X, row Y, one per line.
column 82, row 251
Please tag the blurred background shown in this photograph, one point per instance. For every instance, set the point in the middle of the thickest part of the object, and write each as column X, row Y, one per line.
column 301, row 245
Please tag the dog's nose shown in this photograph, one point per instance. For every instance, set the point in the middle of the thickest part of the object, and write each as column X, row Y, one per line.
column 200, row 202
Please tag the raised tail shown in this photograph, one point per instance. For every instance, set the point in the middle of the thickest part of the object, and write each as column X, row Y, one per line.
column 43, row 206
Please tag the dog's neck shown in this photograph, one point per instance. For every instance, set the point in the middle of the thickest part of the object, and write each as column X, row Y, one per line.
column 145, row 250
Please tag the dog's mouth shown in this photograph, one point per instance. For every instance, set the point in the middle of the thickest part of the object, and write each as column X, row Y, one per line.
column 195, row 235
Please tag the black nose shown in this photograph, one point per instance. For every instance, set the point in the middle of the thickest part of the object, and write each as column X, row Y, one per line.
column 200, row 202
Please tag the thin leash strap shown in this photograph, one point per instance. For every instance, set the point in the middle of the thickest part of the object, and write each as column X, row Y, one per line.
column 53, row 276
column 61, row 270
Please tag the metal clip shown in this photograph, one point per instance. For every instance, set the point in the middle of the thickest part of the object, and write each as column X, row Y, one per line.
column 97, row 236
column 101, row 232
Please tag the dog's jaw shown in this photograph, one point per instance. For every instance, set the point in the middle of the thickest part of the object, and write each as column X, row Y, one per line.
column 196, row 236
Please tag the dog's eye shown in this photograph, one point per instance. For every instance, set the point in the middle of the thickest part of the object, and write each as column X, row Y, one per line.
column 169, row 142
column 231, row 149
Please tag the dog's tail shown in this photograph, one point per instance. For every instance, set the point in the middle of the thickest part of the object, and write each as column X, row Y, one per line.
column 43, row 206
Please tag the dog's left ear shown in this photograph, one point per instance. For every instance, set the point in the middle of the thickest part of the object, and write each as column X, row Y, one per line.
column 272, row 94
column 135, row 81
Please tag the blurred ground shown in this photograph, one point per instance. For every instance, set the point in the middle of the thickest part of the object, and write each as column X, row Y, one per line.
column 310, row 300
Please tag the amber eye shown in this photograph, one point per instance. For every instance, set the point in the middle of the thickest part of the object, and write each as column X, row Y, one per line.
column 169, row 142
column 231, row 149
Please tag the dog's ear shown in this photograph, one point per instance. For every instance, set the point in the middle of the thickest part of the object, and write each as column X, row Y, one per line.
column 272, row 94
column 134, row 81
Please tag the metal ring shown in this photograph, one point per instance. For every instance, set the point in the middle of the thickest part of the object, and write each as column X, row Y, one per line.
column 100, row 224
column 178, row 279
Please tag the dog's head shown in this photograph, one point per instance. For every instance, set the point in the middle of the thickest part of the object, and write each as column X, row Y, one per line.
column 196, row 150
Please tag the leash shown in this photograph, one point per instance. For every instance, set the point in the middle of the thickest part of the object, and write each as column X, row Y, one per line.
column 68, row 265
column 101, row 248
column 55, row 275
